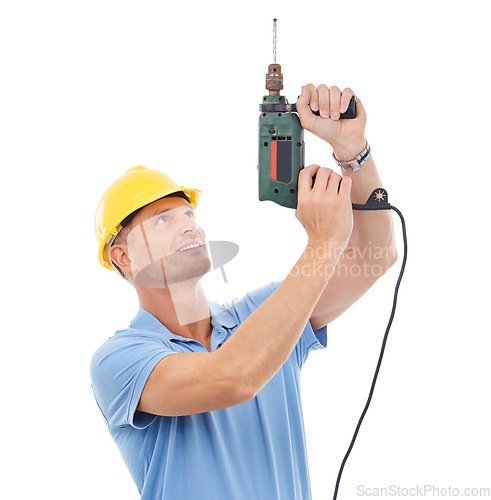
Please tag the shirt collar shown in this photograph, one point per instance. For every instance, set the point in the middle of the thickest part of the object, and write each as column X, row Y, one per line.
column 219, row 316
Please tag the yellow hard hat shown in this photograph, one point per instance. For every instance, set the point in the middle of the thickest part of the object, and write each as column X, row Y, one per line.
column 138, row 187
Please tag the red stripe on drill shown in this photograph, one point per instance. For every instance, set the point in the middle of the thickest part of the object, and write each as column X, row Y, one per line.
column 273, row 159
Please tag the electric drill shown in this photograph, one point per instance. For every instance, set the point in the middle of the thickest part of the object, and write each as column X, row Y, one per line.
column 281, row 144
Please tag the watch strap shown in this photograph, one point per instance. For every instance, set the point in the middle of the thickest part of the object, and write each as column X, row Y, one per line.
column 355, row 163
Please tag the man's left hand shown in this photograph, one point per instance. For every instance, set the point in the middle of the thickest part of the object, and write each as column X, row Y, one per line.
column 346, row 136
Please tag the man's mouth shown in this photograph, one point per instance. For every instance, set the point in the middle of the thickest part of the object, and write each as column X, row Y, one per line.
column 189, row 247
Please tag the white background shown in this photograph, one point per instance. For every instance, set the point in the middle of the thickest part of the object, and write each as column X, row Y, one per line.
column 90, row 89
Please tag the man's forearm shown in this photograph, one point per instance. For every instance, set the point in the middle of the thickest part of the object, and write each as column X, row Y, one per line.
column 370, row 228
column 263, row 342
column 371, row 247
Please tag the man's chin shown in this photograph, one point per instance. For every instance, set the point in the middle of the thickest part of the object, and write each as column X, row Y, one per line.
column 160, row 275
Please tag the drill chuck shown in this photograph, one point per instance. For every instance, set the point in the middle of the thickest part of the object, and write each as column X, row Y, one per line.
column 274, row 79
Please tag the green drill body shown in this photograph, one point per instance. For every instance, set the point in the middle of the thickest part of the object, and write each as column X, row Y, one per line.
column 281, row 153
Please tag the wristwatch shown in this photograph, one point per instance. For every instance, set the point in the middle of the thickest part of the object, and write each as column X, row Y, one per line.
column 355, row 163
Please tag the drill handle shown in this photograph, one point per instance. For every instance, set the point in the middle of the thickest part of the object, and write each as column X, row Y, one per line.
column 350, row 113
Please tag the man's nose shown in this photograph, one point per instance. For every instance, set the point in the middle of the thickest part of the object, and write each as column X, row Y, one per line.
column 188, row 225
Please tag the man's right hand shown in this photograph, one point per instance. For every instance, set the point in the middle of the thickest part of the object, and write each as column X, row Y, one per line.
column 324, row 210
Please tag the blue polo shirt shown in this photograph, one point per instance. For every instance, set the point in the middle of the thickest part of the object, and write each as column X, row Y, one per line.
column 254, row 450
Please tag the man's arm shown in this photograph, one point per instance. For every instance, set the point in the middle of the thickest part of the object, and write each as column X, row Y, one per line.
column 188, row 383
column 371, row 250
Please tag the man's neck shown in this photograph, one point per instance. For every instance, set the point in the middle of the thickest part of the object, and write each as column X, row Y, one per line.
column 182, row 308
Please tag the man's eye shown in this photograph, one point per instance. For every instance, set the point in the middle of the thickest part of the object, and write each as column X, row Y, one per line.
column 162, row 219
column 191, row 214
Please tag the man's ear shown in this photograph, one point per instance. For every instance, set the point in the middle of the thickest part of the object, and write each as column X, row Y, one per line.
column 119, row 256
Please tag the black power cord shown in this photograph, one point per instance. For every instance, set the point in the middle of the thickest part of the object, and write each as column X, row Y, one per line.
column 378, row 201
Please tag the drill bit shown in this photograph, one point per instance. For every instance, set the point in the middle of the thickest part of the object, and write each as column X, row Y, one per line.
column 274, row 40
column 274, row 78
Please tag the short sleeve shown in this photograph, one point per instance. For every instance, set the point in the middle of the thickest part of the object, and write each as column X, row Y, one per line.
column 119, row 370
column 309, row 340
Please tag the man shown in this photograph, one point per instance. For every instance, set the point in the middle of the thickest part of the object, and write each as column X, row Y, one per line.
column 203, row 400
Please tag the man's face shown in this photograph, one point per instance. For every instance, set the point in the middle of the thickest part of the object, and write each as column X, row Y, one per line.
column 159, row 241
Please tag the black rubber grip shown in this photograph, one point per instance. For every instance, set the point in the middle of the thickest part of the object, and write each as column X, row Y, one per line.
column 281, row 108
column 350, row 113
